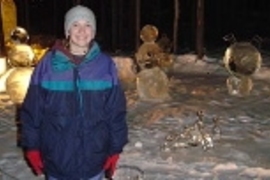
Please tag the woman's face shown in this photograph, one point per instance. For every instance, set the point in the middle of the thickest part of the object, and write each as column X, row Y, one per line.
column 81, row 34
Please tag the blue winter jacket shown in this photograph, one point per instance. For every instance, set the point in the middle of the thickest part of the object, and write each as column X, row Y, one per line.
column 74, row 114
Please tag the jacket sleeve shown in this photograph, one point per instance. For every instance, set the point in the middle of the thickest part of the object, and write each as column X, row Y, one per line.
column 30, row 112
column 116, row 109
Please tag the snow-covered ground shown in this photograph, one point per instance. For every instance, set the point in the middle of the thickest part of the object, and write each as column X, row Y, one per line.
column 241, row 152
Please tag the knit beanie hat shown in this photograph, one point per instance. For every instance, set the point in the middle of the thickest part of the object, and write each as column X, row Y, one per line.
column 79, row 12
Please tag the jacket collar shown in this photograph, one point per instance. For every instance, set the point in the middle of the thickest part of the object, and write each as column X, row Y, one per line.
column 63, row 60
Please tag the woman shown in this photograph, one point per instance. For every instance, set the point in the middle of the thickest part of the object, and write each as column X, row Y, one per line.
column 73, row 116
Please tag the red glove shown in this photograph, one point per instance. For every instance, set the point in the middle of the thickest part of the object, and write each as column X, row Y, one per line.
column 110, row 165
column 34, row 158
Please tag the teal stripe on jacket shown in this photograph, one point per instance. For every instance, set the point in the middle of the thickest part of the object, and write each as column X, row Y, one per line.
column 70, row 86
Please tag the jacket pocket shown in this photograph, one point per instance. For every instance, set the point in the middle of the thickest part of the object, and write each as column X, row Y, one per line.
column 100, row 141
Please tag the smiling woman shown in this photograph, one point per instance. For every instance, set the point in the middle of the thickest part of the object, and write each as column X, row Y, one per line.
column 74, row 114
column 80, row 34
column 80, row 29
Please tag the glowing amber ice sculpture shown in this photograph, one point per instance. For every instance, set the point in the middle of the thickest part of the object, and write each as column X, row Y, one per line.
column 21, row 55
column 150, row 53
column 8, row 17
column 17, row 83
column 242, row 60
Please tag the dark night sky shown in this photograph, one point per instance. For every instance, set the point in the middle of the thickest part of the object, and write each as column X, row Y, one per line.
column 244, row 18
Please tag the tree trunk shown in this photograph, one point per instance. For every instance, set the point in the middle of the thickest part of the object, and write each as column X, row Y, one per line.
column 200, row 29
column 175, row 25
column 138, row 23
column 55, row 19
column 114, row 24
column 120, row 33
column 27, row 15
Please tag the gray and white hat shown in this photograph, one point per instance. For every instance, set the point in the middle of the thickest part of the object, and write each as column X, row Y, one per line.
column 79, row 12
